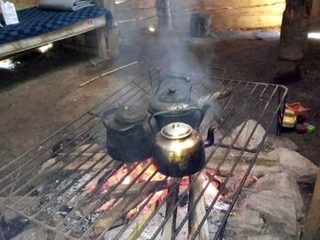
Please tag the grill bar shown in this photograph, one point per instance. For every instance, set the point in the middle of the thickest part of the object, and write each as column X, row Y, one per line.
column 249, row 100
column 202, row 192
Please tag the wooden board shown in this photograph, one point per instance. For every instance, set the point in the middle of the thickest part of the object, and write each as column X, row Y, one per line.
column 22, row 4
column 222, row 4
column 132, row 5
column 125, row 16
column 11, row 48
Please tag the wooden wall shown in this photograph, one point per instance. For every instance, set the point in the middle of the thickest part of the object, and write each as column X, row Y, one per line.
column 225, row 14
column 136, row 13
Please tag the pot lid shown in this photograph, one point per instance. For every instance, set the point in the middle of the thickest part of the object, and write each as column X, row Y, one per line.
column 176, row 131
column 171, row 99
column 130, row 115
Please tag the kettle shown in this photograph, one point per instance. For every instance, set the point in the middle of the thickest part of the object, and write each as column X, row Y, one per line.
column 172, row 104
column 129, row 137
column 179, row 150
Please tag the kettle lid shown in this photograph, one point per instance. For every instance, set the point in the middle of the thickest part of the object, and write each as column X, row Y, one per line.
column 130, row 114
column 171, row 99
column 176, row 131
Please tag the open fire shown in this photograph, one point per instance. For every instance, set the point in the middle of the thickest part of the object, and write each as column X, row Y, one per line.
column 142, row 173
column 93, row 186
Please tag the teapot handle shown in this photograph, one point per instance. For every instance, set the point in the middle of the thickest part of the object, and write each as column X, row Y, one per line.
column 173, row 111
column 173, row 76
column 210, row 138
column 106, row 114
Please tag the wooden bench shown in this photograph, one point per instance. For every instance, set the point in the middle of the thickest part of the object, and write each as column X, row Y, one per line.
column 104, row 38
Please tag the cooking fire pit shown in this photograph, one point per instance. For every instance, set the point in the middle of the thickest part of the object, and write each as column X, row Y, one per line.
column 69, row 185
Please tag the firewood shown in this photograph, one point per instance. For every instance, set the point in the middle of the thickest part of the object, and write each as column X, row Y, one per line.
column 135, row 188
column 170, row 226
column 111, row 217
column 120, row 211
column 265, row 162
column 85, row 206
column 47, row 166
column 146, row 217
column 199, row 211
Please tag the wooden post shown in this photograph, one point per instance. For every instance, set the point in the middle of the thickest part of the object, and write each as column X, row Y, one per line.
column 294, row 29
column 164, row 14
column 312, row 227
column 315, row 16
column 107, row 37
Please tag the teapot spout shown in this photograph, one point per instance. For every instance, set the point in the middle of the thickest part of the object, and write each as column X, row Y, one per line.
column 210, row 138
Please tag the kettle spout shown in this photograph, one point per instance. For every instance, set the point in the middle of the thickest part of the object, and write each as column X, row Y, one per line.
column 210, row 138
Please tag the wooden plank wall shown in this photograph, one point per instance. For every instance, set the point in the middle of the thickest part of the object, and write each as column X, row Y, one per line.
column 134, row 14
column 225, row 14
column 230, row 14
column 315, row 16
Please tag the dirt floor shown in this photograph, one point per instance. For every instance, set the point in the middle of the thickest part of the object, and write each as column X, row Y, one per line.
column 42, row 93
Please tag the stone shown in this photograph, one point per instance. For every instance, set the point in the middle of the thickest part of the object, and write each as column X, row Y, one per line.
column 246, row 222
column 285, row 184
column 93, row 149
column 272, row 142
column 268, row 237
column 47, row 165
column 35, row 233
column 277, row 209
column 303, row 170
column 245, row 134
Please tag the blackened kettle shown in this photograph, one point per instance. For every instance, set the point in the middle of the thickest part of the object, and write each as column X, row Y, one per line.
column 129, row 137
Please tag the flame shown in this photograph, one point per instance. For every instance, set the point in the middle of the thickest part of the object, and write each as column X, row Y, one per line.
column 105, row 206
column 211, row 191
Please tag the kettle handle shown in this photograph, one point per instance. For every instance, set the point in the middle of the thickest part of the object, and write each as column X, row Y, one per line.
column 107, row 113
column 174, row 111
column 210, row 138
column 173, row 76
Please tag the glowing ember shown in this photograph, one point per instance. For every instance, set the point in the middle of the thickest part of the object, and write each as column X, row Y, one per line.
column 211, row 190
column 107, row 205
column 158, row 197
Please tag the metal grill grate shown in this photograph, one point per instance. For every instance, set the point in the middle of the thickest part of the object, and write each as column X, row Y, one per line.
column 48, row 184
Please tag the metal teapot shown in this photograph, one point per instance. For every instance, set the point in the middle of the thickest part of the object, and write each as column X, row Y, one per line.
column 179, row 150
column 170, row 105
column 129, row 137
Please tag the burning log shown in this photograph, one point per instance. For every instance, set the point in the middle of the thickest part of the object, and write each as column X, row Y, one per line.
column 131, row 192
column 135, row 188
column 136, row 230
column 111, row 217
column 198, row 212
column 122, row 211
column 170, row 226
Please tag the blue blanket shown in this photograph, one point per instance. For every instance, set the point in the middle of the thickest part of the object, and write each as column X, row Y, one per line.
column 34, row 22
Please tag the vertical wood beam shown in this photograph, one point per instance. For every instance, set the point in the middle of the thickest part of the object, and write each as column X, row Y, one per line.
column 164, row 13
column 107, row 37
column 294, row 29
column 312, row 227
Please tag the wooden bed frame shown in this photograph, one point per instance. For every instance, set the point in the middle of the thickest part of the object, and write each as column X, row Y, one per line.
column 105, row 36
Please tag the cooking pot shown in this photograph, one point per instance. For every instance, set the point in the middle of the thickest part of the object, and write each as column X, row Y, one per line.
column 176, row 105
column 129, row 137
column 179, row 150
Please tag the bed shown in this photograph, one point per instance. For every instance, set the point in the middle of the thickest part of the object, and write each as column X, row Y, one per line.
column 40, row 27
